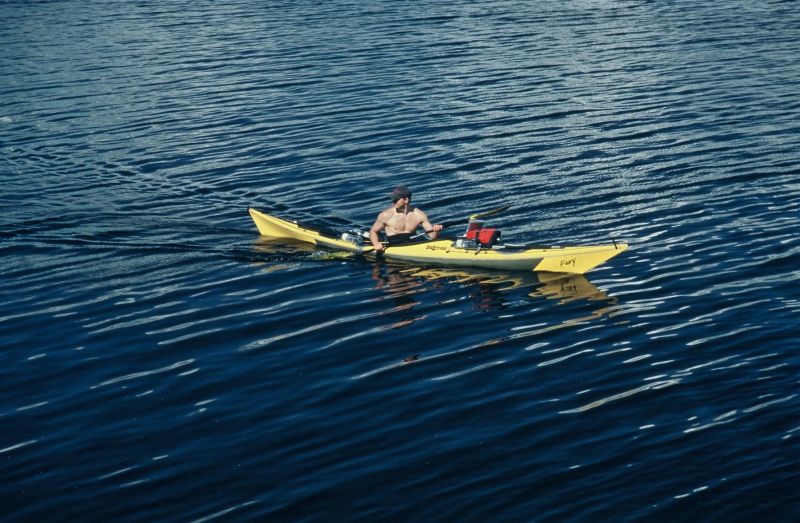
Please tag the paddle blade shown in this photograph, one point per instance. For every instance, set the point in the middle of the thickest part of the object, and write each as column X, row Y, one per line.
column 476, row 216
column 479, row 215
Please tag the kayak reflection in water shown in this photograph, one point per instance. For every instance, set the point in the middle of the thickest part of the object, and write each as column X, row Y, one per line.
column 400, row 221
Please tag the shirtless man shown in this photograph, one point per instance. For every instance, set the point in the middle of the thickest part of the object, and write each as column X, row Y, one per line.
column 401, row 220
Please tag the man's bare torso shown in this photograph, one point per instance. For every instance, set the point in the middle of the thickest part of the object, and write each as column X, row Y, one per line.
column 401, row 222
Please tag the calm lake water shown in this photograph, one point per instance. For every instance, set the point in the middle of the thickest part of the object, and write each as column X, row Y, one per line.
column 161, row 362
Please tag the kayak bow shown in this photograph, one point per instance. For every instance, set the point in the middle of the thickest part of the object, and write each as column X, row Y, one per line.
column 573, row 260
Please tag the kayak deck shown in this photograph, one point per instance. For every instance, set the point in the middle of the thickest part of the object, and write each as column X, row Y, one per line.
column 572, row 260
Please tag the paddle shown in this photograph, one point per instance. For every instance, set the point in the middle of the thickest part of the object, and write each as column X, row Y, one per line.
column 450, row 223
column 476, row 216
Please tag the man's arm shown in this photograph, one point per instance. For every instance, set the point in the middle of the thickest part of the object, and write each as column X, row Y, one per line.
column 373, row 232
column 432, row 230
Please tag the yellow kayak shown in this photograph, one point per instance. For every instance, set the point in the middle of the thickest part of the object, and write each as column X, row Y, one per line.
column 450, row 252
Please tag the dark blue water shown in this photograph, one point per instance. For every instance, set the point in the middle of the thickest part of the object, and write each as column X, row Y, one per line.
column 159, row 361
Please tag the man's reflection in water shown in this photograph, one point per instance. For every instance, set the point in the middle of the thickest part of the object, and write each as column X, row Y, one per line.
column 401, row 289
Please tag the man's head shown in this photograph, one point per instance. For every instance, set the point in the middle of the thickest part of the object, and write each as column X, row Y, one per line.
column 399, row 192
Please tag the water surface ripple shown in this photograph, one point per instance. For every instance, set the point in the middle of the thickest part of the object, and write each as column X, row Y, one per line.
column 160, row 361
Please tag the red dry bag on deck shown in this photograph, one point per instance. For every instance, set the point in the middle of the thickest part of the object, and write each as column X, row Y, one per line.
column 485, row 237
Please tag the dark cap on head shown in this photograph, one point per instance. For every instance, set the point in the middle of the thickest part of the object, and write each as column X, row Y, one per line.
column 401, row 191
